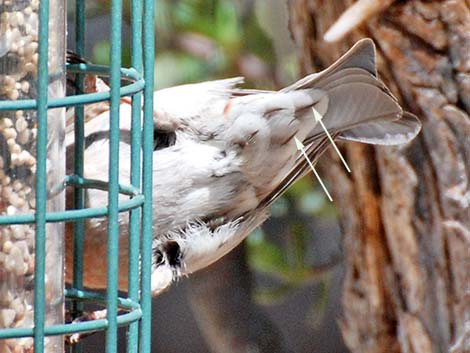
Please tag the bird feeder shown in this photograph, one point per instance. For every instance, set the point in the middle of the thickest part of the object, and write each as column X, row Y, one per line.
column 31, row 170
column 33, row 181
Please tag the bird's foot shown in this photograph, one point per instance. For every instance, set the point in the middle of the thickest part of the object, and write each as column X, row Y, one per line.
column 86, row 316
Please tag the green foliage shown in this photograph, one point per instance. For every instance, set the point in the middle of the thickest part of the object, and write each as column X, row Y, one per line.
column 286, row 264
column 218, row 23
column 177, row 68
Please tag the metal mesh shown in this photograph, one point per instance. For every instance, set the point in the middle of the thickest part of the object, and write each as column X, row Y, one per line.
column 137, row 304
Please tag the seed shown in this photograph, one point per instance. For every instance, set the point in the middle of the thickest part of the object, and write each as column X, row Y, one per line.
column 11, row 210
column 9, row 81
column 4, row 16
column 29, row 67
column 10, row 133
column 26, row 190
column 15, row 262
column 21, row 123
column 7, row 190
column 23, row 137
column 25, row 86
column 18, row 307
column 17, row 185
column 6, row 317
column 23, row 246
column 13, row 20
column 5, row 181
column 16, row 35
column 31, row 265
column 7, row 246
column 15, row 148
column 15, row 159
column 11, row 142
column 18, row 233
column 19, row 18
column 27, row 158
column 6, row 122
column 14, row 94
column 15, row 200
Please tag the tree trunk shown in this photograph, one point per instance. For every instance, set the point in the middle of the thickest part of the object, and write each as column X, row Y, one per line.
column 404, row 211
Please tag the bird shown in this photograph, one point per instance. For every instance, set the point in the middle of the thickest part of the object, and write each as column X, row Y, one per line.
column 224, row 154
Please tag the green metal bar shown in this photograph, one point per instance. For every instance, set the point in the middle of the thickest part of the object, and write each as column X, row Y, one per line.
column 86, row 295
column 113, row 221
column 134, row 314
column 61, row 216
column 29, row 104
column 136, row 145
column 86, row 326
column 41, row 179
column 139, row 338
column 129, row 74
column 147, row 181
column 78, row 181
column 79, row 197
column 73, row 215
column 80, row 27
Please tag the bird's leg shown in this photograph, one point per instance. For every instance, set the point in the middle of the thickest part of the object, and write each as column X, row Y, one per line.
column 86, row 316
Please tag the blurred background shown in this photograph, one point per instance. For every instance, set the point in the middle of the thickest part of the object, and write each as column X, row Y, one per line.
column 289, row 272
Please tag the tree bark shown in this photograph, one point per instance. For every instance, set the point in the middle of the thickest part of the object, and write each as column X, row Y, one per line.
column 404, row 210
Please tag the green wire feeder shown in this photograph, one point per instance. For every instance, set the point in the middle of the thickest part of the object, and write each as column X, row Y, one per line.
column 32, row 189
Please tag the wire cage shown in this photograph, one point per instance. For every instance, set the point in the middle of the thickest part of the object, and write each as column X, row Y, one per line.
column 33, row 180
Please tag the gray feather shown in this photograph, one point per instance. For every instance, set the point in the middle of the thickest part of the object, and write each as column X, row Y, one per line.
column 385, row 132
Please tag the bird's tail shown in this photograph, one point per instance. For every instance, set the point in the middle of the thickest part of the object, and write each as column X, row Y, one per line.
column 359, row 107
column 356, row 106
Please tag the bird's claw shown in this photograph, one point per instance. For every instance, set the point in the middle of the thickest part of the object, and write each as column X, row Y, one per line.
column 86, row 316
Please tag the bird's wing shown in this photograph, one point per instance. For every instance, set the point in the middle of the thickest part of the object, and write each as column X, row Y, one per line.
column 313, row 150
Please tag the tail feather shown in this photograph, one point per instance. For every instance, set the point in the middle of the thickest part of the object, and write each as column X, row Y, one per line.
column 385, row 132
column 313, row 150
column 351, row 75
column 360, row 106
column 356, row 103
column 356, row 106
column 360, row 56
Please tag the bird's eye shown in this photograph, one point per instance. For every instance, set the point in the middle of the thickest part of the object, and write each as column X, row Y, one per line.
column 163, row 139
column 173, row 253
column 158, row 258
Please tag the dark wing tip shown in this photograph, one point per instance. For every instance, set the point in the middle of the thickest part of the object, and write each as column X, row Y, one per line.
column 361, row 55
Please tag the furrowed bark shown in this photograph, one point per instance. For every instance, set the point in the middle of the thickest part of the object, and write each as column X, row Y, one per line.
column 405, row 211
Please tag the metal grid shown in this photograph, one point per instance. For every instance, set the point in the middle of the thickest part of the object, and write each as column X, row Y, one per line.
column 138, row 303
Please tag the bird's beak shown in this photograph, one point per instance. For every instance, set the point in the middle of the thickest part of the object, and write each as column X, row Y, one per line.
column 162, row 277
